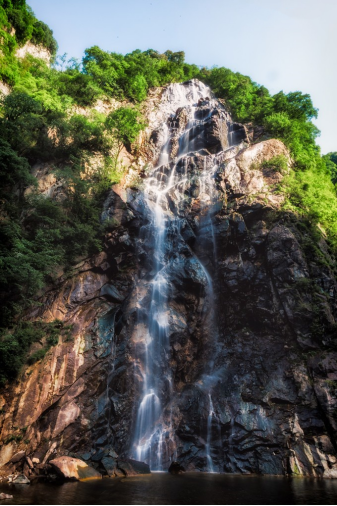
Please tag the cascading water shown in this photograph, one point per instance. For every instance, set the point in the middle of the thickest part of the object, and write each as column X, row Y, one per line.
column 206, row 194
column 154, row 438
column 210, row 466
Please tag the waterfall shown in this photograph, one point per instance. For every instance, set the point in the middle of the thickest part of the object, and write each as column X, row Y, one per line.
column 208, row 198
column 182, row 134
column 210, row 466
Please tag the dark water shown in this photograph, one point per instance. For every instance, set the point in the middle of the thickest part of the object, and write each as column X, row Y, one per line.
column 191, row 488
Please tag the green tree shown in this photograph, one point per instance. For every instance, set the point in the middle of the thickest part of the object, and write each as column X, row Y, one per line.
column 137, row 88
column 14, row 174
column 43, row 35
column 21, row 122
column 178, row 57
column 331, row 163
column 296, row 105
column 22, row 19
column 125, row 124
column 107, row 69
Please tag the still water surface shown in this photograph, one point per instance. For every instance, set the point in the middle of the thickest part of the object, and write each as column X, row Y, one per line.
column 190, row 488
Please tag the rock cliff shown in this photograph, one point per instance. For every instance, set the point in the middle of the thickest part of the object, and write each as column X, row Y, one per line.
column 204, row 332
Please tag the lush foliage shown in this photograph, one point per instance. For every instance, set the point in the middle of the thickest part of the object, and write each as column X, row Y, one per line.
column 311, row 194
column 40, row 235
column 14, row 345
column 43, row 36
column 17, row 14
column 309, row 187
column 131, row 76
column 331, row 164
column 125, row 124
column 17, row 26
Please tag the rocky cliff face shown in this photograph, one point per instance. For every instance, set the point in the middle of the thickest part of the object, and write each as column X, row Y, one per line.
column 204, row 332
column 36, row 51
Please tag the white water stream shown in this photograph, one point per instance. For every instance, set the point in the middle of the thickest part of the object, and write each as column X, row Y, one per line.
column 154, row 440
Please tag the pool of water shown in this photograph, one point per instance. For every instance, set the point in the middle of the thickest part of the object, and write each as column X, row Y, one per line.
column 190, row 488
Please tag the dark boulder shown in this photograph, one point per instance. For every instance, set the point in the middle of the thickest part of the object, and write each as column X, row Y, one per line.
column 176, row 468
column 17, row 457
column 133, row 467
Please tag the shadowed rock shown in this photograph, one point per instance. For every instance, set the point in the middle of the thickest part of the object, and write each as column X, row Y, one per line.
column 176, row 468
column 132, row 467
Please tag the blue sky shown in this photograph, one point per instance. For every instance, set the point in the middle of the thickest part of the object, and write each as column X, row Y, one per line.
column 285, row 45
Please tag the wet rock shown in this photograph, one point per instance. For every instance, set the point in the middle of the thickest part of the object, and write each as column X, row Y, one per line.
column 17, row 457
column 29, row 462
column 187, row 232
column 5, row 496
column 176, row 468
column 118, row 473
column 85, row 456
column 237, row 133
column 111, row 293
column 21, row 479
column 74, row 469
column 98, row 456
column 112, row 453
column 261, row 152
column 133, row 467
column 110, row 465
column 237, row 222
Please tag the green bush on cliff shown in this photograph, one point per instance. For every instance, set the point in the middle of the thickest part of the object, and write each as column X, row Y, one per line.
column 309, row 187
column 15, row 344
column 21, row 19
column 14, row 174
column 312, row 195
column 277, row 163
column 132, row 75
column 43, row 36
column 331, row 163
column 17, row 14
column 125, row 124
column 17, row 26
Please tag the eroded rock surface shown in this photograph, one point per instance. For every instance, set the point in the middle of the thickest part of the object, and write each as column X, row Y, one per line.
column 247, row 379
column 74, row 469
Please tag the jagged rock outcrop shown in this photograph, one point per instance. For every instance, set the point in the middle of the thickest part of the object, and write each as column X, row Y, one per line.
column 4, row 89
column 34, row 50
column 74, row 469
column 244, row 378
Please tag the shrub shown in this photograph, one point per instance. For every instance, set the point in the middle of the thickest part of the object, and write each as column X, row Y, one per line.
column 331, row 164
column 125, row 124
column 15, row 344
column 38, row 355
column 278, row 163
